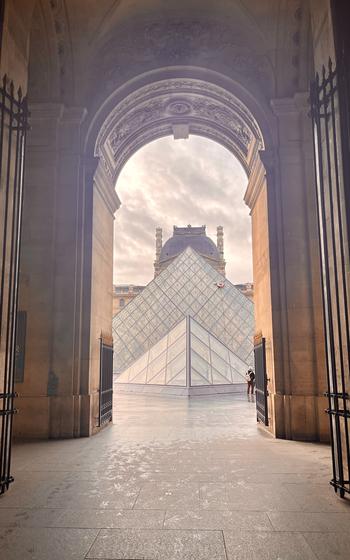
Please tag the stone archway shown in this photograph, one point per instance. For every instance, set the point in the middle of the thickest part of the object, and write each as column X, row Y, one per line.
column 76, row 182
column 178, row 107
column 180, row 102
column 190, row 100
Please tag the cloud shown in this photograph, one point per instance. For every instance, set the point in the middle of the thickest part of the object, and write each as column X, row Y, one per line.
column 166, row 183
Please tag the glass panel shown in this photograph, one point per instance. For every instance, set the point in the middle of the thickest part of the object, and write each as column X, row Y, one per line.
column 123, row 377
column 158, row 349
column 236, row 363
column 221, row 366
column 177, row 332
column 199, row 332
column 134, row 370
column 197, row 379
column 201, row 349
column 201, row 366
column 175, row 366
column 155, row 366
column 219, row 348
column 238, row 377
column 176, row 348
column 218, row 379
column 179, row 379
column 140, row 378
column 158, row 379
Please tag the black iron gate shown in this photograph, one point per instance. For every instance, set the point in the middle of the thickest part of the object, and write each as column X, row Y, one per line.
column 261, row 392
column 334, row 251
column 106, row 381
column 13, row 126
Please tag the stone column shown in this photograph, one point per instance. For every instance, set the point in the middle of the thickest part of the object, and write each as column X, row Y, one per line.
column 105, row 203
column 36, row 293
column 261, row 211
column 66, row 276
column 66, row 305
column 299, row 369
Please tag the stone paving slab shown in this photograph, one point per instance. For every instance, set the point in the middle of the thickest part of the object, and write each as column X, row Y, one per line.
column 158, row 545
column 43, row 544
column 112, row 519
column 329, row 522
column 267, row 546
column 168, row 495
column 217, row 520
column 247, row 497
column 329, row 546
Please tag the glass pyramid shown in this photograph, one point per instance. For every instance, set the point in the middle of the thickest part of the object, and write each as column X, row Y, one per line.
column 188, row 286
column 188, row 356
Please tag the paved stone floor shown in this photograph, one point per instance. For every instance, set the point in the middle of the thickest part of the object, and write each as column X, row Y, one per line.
column 174, row 479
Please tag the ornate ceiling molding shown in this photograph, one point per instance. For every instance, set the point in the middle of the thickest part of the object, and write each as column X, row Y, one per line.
column 152, row 111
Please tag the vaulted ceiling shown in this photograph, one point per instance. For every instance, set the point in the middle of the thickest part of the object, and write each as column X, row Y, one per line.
column 82, row 50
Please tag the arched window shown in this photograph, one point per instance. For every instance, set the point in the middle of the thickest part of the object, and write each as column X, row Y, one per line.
column 121, row 302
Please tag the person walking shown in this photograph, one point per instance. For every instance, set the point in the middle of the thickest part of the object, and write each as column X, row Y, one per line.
column 250, row 377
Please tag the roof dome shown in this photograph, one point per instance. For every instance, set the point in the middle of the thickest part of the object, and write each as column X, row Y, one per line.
column 189, row 236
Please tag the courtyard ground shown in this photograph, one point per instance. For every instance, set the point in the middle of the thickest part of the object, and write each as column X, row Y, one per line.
column 174, row 479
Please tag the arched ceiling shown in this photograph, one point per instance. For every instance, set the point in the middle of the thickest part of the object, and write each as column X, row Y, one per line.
column 264, row 43
column 94, row 47
column 179, row 107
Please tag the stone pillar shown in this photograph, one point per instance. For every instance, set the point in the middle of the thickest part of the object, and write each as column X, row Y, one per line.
column 36, row 293
column 299, row 376
column 105, row 202
column 257, row 198
column 159, row 244
column 66, row 277
column 220, row 246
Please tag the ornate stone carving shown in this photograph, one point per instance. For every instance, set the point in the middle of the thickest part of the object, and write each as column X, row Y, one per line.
column 180, row 87
column 151, row 111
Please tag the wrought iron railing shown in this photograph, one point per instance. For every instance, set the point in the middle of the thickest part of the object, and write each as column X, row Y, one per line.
column 13, row 127
column 333, row 221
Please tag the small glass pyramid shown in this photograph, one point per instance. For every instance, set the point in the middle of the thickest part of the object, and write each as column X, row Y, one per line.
column 189, row 286
column 187, row 357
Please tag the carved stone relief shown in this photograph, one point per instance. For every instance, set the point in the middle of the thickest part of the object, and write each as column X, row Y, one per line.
column 181, row 87
column 151, row 111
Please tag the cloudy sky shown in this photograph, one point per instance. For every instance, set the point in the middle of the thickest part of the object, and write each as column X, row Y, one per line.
column 179, row 182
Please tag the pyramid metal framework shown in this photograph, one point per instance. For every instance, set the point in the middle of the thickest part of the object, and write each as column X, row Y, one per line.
column 188, row 357
column 189, row 286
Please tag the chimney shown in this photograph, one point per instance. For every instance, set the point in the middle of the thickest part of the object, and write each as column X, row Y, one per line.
column 159, row 244
column 220, row 246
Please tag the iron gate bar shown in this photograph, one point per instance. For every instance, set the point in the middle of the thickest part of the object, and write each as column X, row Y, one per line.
column 344, row 395
column 338, row 467
column 261, row 392
column 20, row 155
column 106, row 383
column 337, row 412
column 316, row 115
column 323, row 107
column 14, row 113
